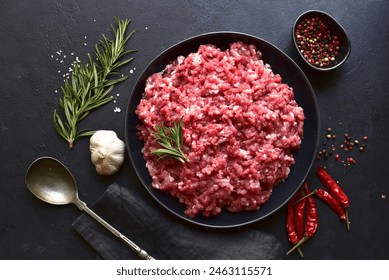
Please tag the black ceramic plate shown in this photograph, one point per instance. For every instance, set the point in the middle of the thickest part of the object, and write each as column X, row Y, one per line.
column 304, row 95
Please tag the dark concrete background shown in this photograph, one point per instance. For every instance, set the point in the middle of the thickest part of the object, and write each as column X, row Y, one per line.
column 352, row 99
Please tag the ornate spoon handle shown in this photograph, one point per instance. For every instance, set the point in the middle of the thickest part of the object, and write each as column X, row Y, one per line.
column 141, row 253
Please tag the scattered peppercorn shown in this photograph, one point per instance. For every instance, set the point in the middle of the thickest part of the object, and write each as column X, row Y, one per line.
column 346, row 146
column 315, row 42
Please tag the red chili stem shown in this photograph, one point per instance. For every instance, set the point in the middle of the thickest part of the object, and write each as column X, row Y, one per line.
column 332, row 186
column 305, row 196
column 300, row 252
column 347, row 219
column 298, row 244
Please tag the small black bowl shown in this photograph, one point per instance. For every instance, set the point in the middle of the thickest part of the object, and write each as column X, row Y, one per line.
column 336, row 30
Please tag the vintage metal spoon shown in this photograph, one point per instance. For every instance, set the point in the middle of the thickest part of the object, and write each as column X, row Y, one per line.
column 49, row 180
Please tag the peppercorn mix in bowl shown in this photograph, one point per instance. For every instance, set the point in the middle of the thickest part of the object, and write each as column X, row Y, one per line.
column 320, row 40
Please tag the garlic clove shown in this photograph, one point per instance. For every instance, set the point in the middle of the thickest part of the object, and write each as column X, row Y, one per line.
column 107, row 152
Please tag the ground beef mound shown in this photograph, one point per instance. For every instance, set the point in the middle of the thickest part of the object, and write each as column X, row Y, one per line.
column 241, row 125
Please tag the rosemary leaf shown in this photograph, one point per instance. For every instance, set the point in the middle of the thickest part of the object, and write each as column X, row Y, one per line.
column 162, row 153
column 86, row 132
column 170, row 139
column 90, row 83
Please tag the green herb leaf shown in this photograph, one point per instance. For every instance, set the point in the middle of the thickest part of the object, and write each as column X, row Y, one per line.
column 170, row 138
column 91, row 83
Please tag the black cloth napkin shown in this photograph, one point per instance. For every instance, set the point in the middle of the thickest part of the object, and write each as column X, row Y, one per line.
column 163, row 235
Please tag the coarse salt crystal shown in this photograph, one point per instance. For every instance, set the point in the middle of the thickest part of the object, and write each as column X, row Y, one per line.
column 117, row 110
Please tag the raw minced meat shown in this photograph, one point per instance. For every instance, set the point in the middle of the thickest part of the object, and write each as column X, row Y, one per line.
column 241, row 125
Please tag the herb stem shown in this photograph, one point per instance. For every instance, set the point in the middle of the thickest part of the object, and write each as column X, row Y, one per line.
column 89, row 84
column 170, row 139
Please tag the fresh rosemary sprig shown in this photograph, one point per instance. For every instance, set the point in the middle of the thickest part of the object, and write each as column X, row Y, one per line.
column 170, row 138
column 90, row 83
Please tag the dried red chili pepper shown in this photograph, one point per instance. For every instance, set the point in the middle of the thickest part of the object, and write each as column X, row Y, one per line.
column 299, row 215
column 311, row 221
column 290, row 226
column 331, row 202
column 312, row 218
column 335, row 190
column 332, row 186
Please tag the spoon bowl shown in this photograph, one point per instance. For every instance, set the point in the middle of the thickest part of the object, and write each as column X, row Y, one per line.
column 49, row 180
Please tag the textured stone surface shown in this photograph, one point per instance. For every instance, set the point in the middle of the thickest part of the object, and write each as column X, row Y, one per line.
column 352, row 99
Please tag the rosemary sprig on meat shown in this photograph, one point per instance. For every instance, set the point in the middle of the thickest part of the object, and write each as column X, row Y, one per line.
column 90, row 83
column 170, row 138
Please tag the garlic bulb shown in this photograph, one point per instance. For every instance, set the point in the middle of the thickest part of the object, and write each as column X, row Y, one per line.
column 107, row 151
